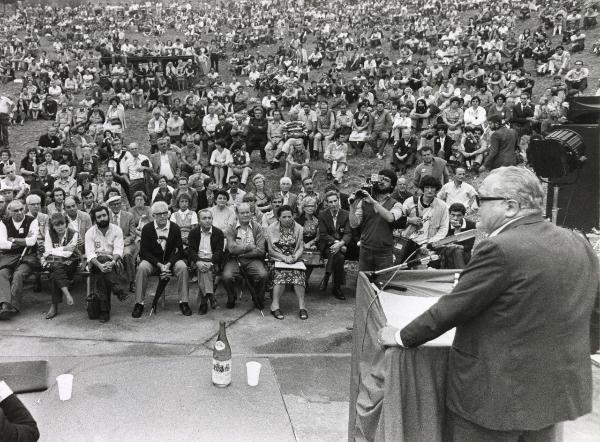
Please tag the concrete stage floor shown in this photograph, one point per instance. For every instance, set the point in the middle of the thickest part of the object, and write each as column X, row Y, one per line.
column 306, row 369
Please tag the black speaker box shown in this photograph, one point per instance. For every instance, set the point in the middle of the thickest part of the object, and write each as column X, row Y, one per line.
column 579, row 192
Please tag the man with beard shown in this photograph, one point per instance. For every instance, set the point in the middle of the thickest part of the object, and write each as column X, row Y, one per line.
column 104, row 253
column 376, row 215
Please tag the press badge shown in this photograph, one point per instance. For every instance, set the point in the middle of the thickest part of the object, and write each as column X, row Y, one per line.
column 21, row 231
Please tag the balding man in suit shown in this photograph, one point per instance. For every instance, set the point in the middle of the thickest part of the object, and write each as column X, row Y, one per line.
column 519, row 363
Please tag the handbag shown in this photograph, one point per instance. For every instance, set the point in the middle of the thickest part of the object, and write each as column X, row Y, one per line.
column 93, row 306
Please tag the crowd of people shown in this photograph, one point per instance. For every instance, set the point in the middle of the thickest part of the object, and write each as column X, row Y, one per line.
column 436, row 92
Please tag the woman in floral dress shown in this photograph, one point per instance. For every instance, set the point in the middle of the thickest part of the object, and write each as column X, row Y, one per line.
column 286, row 244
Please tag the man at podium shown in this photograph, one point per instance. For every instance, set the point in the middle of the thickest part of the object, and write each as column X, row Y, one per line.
column 519, row 363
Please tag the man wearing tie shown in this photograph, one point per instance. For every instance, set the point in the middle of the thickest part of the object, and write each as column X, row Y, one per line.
column 161, row 251
column 124, row 220
column 522, row 116
column 206, row 244
column 519, row 363
column 334, row 236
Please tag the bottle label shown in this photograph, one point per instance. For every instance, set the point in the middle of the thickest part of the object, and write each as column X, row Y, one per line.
column 221, row 372
column 219, row 346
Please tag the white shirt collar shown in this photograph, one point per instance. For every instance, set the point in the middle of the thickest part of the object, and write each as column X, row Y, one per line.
column 504, row 226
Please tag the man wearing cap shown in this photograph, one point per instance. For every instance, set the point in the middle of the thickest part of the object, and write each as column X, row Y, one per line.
column 65, row 181
column 104, row 253
column 161, row 252
column 18, row 247
column 124, row 220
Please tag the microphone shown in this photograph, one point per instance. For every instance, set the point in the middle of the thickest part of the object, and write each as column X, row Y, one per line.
column 416, row 262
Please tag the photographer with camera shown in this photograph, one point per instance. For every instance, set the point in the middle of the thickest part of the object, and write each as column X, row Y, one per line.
column 376, row 213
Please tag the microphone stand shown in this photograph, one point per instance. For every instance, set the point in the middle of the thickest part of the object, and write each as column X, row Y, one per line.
column 404, row 266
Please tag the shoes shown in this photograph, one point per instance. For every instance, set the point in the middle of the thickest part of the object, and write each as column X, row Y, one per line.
column 185, row 309
column 277, row 314
column 132, row 286
column 104, row 317
column 203, row 309
column 258, row 303
column 338, row 294
column 230, row 303
column 329, row 176
column 52, row 312
column 323, row 283
column 303, row 314
column 7, row 311
column 138, row 309
column 121, row 295
column 336, row 182
column 379, row 156
column 212, row 300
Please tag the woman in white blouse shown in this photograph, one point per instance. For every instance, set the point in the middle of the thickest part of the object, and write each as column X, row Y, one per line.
column 219, row 159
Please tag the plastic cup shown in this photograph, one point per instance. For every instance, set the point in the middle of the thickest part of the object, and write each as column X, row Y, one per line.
column 253, row 372
column 65, row 386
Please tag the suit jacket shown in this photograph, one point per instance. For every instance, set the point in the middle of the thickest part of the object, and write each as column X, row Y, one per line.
column 173, row 161
column 127, row 226
column 292, row 200
column 328, row 233
column 84, row 222
column 217, row 243
column 16, row 423
column 446, row 148
column 502, row 149
column 520, row 115
column 519, row 360
column 151, row 251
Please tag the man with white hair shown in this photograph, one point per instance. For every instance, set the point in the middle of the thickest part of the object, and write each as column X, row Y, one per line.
column 18, row 246
column 65, row 181
column 289, row 198
column 522, row 316
column 161, row 252
column 14, row 182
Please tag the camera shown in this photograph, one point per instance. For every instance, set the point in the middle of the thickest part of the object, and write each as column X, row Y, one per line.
column 369, row 186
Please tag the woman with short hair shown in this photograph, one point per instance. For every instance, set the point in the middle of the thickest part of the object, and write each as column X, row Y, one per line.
column 286, row 245
column 61, row 258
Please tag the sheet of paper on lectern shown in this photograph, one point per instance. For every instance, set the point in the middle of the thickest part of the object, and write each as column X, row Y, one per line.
column 401, row 310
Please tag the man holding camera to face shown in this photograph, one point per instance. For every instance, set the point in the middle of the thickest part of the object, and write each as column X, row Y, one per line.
column 376, row 213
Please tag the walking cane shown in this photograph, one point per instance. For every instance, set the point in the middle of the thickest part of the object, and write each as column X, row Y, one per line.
column 163, row 280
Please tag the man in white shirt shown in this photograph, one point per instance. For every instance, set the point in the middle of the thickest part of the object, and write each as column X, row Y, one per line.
column 457, row 191
column 134, row 171
column 104, row 253
column 18, row 246
column 164, row 162
column 475, row 115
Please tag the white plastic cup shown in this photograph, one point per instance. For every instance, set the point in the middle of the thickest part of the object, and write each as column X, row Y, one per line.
column 65, row 386
column 253, row 372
